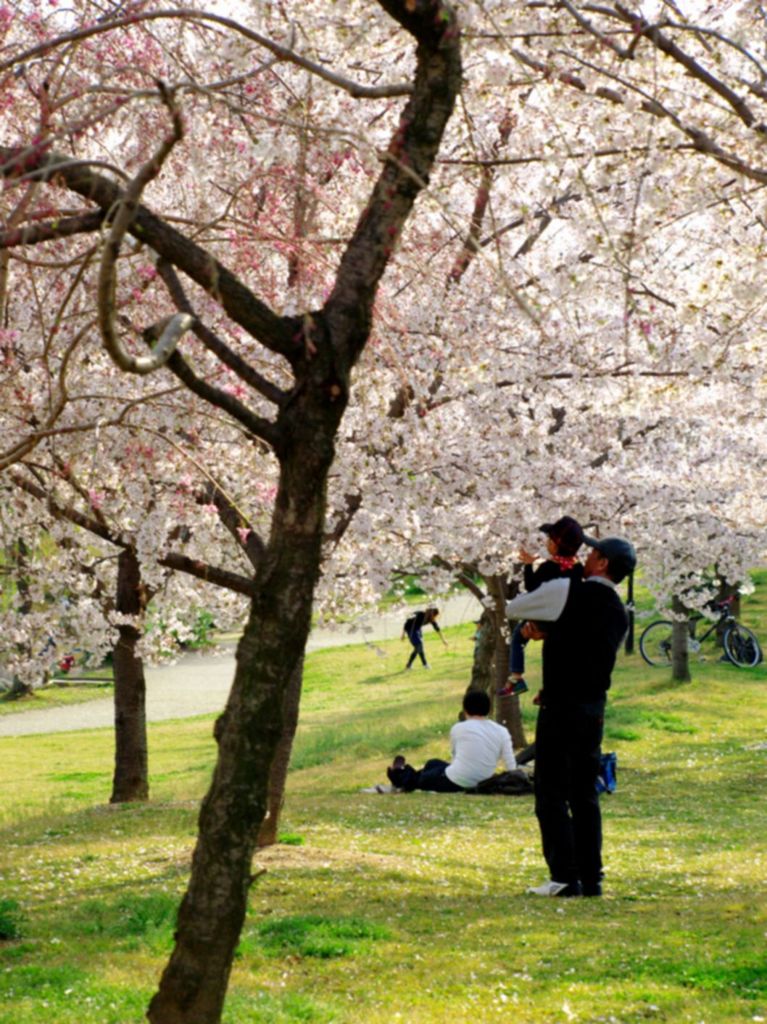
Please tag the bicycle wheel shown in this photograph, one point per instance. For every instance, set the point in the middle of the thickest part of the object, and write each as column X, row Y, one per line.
column 741, row 646
column 655, row 643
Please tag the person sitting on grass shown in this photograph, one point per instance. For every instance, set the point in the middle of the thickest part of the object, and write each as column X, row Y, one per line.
column 476, row 745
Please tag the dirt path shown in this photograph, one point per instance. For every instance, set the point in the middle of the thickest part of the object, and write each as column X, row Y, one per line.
column 199, row 684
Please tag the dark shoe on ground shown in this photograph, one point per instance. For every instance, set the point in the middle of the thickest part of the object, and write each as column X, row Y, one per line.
column 556, row 889
column 591, row 889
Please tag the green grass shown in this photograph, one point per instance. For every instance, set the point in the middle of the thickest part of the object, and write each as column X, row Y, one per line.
column 407, row 908
column 54, row 696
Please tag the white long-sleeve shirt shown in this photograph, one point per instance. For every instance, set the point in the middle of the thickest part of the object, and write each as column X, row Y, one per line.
column 547, row 602
column 476, row 746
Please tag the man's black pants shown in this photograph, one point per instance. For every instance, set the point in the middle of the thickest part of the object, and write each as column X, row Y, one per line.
column 567, row 750
column 431, row 777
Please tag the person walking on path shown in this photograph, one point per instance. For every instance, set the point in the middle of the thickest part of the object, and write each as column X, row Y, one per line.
column 564, row 537
column 585, row 622
column 476, row 745
column 413, row 630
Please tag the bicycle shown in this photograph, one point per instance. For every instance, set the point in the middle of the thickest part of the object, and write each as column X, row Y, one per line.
column 741, row 645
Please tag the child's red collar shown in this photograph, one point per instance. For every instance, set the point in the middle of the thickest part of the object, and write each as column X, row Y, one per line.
column 565, row 562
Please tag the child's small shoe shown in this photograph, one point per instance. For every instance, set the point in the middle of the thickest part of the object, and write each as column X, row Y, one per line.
column 513, row 687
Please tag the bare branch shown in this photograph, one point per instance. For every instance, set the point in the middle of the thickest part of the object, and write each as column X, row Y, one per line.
column 31, row 234
column 17, row 451
column 256, row 425
column 123, row 216
column 354, row 89
column 646, row 30
column 232, row 518
column 38, row 164
column 589, row 27
column 699, row 139
column 173, row 560
column 214, row 344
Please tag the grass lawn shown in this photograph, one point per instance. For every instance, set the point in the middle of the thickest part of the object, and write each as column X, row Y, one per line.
column 407, row 908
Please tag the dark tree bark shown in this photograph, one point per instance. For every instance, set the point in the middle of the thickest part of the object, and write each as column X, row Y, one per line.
column 193, row 986
column 482, row 674
column 267, row 834
column 507, row 709
column 680, row 648
column 131, row 772
column 321, row 348
column 20, row 556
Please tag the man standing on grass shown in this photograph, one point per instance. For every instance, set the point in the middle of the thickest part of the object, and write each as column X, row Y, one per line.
column 585, row 623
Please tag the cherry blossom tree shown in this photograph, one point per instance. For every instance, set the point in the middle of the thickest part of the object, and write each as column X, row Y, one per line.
column 572, row 313
column 315, row 352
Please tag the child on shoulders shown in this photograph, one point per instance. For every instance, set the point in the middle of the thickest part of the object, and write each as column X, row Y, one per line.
column 565, row 536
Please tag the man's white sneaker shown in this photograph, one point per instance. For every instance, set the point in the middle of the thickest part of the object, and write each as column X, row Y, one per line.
column 555, row 889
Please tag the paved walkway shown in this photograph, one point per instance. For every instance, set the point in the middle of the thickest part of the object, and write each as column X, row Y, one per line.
column 199, row 683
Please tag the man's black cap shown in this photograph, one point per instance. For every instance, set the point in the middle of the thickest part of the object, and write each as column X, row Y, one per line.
column 619, row 553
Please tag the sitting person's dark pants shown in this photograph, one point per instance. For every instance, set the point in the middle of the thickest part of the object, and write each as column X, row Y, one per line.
column 431, row 777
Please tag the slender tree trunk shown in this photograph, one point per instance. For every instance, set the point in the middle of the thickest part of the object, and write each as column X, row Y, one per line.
column 507, row 709
column 279, row 774
column 21, row 556
column 680, row 647
column 131, row 773
column 482, row 677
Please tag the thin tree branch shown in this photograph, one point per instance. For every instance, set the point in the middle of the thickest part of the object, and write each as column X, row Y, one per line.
column 354, row 89
column 31, row 234
column 36, row 163
column 240, row 529
column 122, row 218
column 214, row 344
column 173, row 560
column 646, row 30
column 256, row 425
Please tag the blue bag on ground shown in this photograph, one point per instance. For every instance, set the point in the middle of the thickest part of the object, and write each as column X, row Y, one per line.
column 607, row 780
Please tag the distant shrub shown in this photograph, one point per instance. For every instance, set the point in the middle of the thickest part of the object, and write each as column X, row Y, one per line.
column 290, row 839
column 10, row 920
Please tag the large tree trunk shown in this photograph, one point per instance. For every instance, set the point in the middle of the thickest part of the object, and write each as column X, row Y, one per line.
column 269, row 654
column 131, row 772
column 327, row 344
column 680, row 646
column 279, row 774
